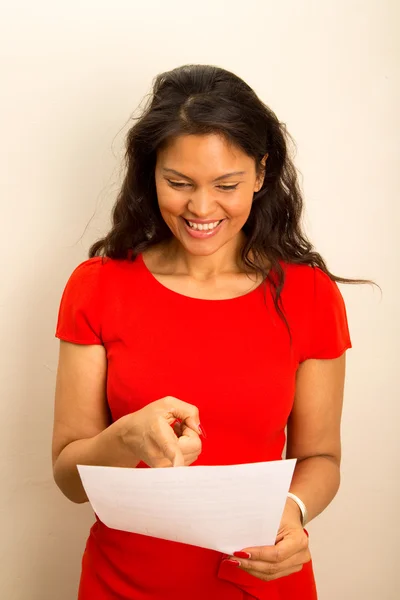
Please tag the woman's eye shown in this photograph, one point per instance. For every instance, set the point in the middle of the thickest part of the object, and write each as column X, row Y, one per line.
column 178, row 184
column 227, row 188
column 181, row 185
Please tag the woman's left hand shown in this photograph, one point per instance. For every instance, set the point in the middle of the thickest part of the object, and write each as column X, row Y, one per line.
column 288, row 555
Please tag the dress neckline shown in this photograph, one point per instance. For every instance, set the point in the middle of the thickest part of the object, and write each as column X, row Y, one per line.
column 166, row 290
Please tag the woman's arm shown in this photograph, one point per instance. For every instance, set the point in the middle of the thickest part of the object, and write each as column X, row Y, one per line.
column 314, row 432
column 82, row 432
column 314, row 439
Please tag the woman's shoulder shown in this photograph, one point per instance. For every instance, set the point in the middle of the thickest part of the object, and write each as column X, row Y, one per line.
column 105, row 265
column 295, row 273
column 86, row 274
column 89, row 267
column 103, row 273
column 305, row 272
column 304, row 281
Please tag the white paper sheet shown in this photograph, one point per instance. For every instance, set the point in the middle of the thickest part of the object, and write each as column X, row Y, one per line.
column 224, row 508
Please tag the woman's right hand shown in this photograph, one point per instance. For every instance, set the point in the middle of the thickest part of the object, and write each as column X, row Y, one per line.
column 151, row 436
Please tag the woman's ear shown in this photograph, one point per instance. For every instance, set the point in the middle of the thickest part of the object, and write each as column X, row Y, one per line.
column 261, row 174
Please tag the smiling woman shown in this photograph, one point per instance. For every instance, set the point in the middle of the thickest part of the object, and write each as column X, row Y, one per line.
column 205, row 298
column 212, row 201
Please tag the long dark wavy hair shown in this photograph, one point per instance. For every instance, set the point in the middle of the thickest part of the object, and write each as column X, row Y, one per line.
column 203, row 99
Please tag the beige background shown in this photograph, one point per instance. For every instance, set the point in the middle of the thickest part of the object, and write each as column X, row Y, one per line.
column 71, row 75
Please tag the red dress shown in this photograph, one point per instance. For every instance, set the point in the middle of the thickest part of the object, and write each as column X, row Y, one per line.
column 233, row 360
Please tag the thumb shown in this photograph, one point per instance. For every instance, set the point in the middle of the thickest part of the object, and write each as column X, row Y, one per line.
column 187, row 413
column 170, row 447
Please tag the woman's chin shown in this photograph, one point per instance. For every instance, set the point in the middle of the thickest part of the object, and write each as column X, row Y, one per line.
column 209, row 247
column 201, row 249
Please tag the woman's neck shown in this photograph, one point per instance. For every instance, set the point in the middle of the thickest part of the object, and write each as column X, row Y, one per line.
column 226, row 259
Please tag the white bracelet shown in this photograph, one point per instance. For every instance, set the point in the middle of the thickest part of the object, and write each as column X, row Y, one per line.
column 302, row 507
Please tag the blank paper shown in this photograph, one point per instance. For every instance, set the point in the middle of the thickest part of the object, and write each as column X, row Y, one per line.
column 225, row 508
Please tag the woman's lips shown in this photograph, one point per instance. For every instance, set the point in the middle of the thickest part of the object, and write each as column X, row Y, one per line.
column 202, row 233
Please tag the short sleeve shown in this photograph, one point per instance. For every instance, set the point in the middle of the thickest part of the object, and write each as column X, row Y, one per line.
column 79, row 317
column 328, row 335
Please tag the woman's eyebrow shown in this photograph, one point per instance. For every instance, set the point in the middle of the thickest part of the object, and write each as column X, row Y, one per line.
column 178, row 174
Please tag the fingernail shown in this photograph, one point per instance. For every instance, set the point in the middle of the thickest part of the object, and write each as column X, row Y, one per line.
column 201, row 431
column 242, row 554
column 235, row 563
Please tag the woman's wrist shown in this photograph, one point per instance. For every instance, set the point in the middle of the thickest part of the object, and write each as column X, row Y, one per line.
column 112, row 445
column 292, row 514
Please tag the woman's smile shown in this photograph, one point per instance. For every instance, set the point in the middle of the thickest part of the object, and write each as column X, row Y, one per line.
column 202, row 229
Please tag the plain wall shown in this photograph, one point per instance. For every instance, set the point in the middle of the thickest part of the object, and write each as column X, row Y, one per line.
column 72, row 73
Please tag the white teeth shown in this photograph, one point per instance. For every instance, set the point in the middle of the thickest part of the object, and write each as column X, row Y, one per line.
column 203, row 226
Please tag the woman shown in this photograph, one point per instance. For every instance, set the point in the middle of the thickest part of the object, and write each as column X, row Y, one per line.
column 205, row 301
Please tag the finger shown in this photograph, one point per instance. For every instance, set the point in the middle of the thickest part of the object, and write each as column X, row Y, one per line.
column 178, row 460
column 185, row 412
column 294, row 541
column 264, row 568
column 191, row 449
column 173, row 452
column 279, row 537
column 190, row 459
column 267, row 577
column 188, row 432
column 168, row 443
column 177, row 427
column 160, row 463
column 190, row 444
column 190, row 441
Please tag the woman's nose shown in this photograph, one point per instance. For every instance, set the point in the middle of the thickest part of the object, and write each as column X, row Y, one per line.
column 201, row 203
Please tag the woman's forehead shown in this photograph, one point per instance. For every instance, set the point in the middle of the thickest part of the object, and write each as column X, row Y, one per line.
column 208, row 156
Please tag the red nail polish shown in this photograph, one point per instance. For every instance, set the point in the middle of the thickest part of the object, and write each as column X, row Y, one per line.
column 242, row 554
column 235, row 563
column 202, row 432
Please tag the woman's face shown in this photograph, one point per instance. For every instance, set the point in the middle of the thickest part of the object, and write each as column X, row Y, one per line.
column 205, row 188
